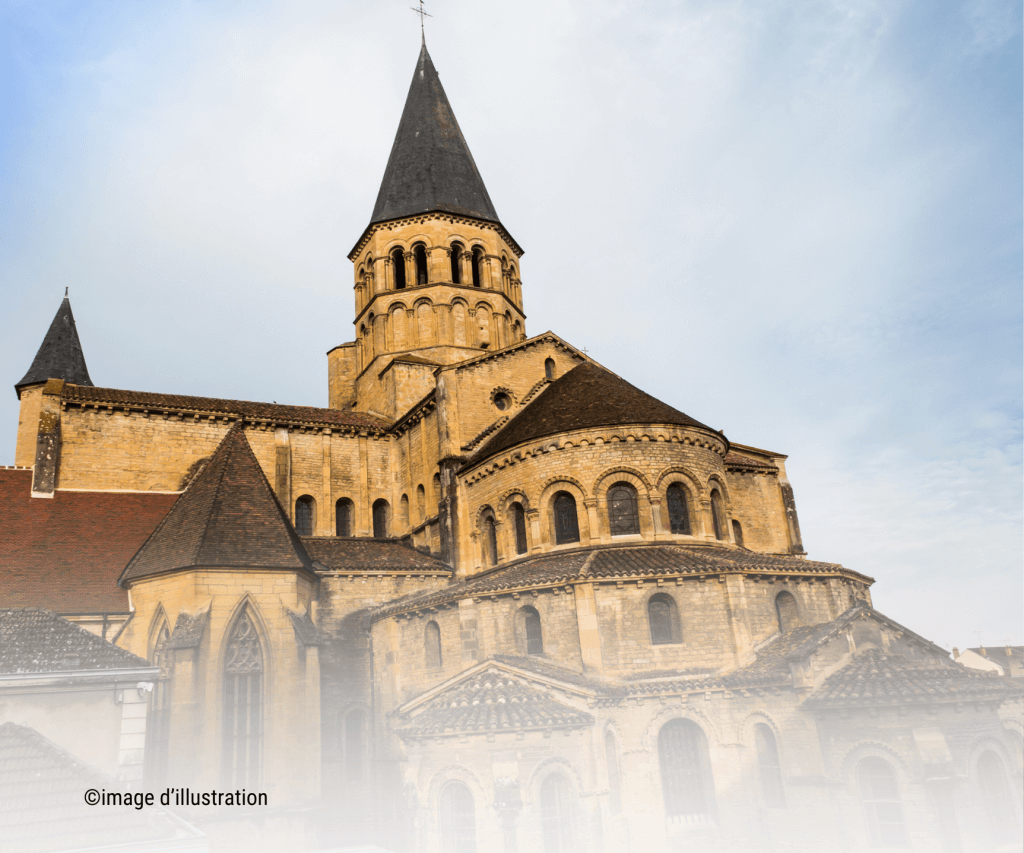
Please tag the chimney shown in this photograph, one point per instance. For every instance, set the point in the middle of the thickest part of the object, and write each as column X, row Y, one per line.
column 956, row 653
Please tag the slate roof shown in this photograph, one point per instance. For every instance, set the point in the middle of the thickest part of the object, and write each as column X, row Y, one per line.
column 235, row 409
column 877, row 678
column 33, row 640
column 430, row 167
column 585, row 397
column 229, row 516
column 609, row 562
column 60, row 355
column 65, row 553
column 490, row 701
column 42, row 807
column 358, row 554
column 189, row 629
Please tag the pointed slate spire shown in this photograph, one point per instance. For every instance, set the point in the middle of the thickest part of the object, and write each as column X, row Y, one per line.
column 60, row 356
column 228, row 517
column 430, row 167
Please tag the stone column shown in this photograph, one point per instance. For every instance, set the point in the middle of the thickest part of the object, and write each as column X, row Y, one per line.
column 533, row 519
column 596, row 533
column 586, row 623
column 410, row 270
column 466, row 266
column 325, row 518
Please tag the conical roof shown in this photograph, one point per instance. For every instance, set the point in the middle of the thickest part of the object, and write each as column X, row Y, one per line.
column 585, row 397
column 60, row 356
column 228, row 517
column 430, row 167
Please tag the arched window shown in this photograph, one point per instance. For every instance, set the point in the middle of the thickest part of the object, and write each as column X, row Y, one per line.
column 737, row 532
column 355, row 746
column 381, row 519
column 432, row 645
column 678, row 511
column 519, row 521
column 419, row 254
column 549, row 368
column 398, row 269
column 243, row 705
column 770, row 766
column 623, row 517
column 611, row 757
column 421, row 502
column 403, row 511
column 491, row 541
column 305, row 515
column 158, row 730
column 556, row 815
column 457, row 819
column 686, row 779
column 456, row 254
column 529, row 639
column 786, row 611
column 459, row 323
column 880, row 795
column 567, row 527
column 343, row 512
column 664, row 619
column 995, row 791
column 717, row 514
column 477, row 260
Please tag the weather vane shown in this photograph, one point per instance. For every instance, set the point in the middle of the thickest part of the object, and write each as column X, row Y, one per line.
column 422, row 14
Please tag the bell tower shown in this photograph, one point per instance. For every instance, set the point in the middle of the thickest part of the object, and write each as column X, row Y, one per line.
column 436, row 273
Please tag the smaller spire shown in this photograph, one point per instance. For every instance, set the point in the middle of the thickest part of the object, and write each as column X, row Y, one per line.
column 60, row 355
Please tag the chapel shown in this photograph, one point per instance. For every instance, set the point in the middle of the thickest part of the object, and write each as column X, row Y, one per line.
column 492, row 596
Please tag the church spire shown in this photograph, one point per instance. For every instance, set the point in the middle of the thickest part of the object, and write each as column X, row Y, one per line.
column 60, row 355
column 430, row 168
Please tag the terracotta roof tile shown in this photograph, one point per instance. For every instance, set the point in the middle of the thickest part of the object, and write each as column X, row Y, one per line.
column 270, row 412
column 608, row 562
column 877, row 678
column 585, row 397
column 36, row 640
column 65, row 553
column 41, row 804
column 493, row 700
column 229, row 516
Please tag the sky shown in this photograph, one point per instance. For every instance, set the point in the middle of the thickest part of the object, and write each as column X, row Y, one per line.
column 798, row 221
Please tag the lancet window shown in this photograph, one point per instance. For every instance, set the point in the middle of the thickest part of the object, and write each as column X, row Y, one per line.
column 243, row 705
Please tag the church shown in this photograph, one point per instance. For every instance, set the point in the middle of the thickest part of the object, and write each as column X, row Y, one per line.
column 493, row 597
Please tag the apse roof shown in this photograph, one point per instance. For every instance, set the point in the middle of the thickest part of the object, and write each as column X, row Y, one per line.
column 585, row 397
column 228, row 517
column 60, row 355
column 430, row 167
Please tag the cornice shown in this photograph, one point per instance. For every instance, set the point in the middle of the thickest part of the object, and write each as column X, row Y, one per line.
column 453, row 218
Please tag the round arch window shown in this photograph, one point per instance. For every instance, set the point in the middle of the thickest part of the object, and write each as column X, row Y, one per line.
column 502, row 401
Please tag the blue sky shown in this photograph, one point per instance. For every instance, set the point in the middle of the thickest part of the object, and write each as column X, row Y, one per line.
column 798, row 221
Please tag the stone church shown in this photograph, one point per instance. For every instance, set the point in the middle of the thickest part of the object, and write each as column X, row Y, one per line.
column 493, row 597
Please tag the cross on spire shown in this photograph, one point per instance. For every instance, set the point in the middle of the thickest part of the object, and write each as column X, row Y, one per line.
column 422, row 14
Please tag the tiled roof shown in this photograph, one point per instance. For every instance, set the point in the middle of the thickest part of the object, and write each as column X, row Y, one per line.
column 305, row 631
column 351, row 554
column 877, row 678
column 738, row 461
column 65, row 553
column 1010, row 658
column 430, row 167
column 490, row 701
column 229, row 516
column 42, row 806
column 587, row 396
column 244, row 409
column 610, row 562
column 60, row 355
column 34, row 640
